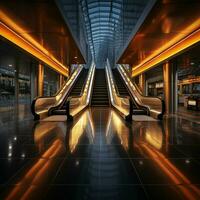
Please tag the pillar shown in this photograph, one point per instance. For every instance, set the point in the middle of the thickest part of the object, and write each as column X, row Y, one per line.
column 170, row 86
column 61, row 80
column 142, row 83
column 40, row 79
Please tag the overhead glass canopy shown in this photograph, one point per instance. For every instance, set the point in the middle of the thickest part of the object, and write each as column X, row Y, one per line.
column 108, row 24
column 102, row 18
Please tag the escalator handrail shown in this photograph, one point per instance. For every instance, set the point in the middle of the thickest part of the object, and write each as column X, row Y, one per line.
column 66, row 99
column 139, row 91
column 67, row 86
column 132, row 98
column 117, row 90
column 109, row 76
column 82, row 90
column 90, row 80
column 146, row 107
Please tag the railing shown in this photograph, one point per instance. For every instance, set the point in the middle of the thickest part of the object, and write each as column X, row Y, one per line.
column 77, row 103
column 41, row 105
column 121, row 103
column 155, row 105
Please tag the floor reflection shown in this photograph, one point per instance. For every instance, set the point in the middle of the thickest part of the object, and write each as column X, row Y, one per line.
column 100, row 156
column 151, row 141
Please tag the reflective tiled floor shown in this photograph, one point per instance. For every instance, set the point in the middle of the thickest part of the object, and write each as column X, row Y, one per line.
column 193, row 115
column 100, row 156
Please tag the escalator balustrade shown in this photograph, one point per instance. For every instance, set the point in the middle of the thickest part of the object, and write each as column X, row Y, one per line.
column 123, row 91
column 76, row 91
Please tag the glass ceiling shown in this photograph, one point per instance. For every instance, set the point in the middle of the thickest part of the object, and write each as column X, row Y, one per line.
column 108, row 24
column 102, row 18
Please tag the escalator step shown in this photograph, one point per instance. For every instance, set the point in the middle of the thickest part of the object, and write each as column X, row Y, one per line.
column 100, row 93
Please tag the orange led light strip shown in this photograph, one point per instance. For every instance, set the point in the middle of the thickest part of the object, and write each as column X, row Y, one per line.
column 15, row 38
column 173, row 50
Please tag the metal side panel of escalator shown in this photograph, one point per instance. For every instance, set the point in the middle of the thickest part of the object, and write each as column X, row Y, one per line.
column 123, row 91
column 76, row 91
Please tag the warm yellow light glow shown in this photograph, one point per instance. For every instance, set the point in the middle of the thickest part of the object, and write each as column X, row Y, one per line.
column 79, row 128
column 154, row 137
column 11, row 31
column 77, row 131
column 173, row 47
column 40, row 79
column 176, row 176
column 190, row 80
column 121, row 129
column 120, row 103
column 77, row 104
column 37, row 174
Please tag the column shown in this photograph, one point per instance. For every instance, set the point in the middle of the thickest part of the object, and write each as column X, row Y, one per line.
column 40, row 79
column 170, row 86
column 142, row 83
column 61, row 80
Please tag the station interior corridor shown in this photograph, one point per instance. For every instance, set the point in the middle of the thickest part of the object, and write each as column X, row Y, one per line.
column 99, row 100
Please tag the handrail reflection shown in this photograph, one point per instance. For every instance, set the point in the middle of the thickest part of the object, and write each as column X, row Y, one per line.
column 79, row 103
column 84, row 124
column 55, row 133
column 37, row 173
column 150, row 144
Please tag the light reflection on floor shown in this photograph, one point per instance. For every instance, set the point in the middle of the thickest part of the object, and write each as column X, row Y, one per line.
column 100, row 156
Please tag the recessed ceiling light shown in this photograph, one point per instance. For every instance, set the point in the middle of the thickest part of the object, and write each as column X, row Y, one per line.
column 187, row 161
column 23, row 155
column 10, row 65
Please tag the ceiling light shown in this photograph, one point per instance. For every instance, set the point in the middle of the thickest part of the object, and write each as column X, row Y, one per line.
column 187, row 161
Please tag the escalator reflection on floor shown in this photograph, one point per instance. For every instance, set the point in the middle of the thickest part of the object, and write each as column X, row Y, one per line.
column 99, row 156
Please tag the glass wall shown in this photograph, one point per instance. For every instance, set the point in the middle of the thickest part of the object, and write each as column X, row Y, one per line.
column 7, row 82
column 15, row 82
column 19, row 82
column 24, row 81
column 154, row 82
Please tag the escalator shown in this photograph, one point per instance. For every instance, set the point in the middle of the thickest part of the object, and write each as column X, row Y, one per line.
column 154, row 106
column 76, row 91
column 120, row 83
column 100, row 92
column 123, row 91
